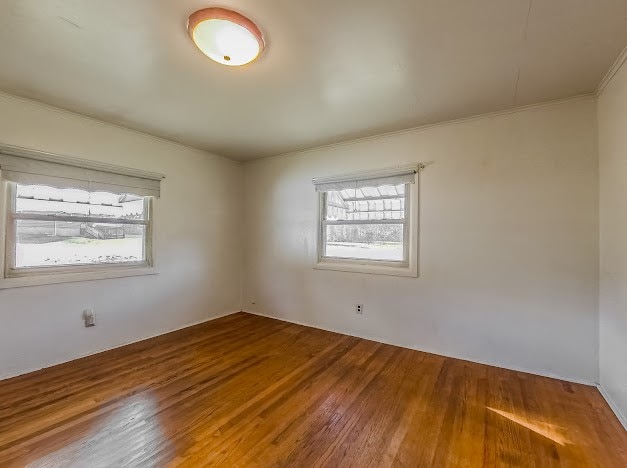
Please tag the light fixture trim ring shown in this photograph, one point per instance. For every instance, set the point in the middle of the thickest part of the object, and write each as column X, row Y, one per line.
column 218, row 13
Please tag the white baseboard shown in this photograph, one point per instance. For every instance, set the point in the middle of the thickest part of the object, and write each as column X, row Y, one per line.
column 80, row 356
column 615, row 408
column 438, row 353
column 612, row 404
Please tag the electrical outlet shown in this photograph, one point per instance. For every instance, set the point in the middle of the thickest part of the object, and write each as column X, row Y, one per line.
column 89, row 316
column 359, row 309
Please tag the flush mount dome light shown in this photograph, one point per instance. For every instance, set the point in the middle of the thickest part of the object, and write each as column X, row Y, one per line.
column 225, row 36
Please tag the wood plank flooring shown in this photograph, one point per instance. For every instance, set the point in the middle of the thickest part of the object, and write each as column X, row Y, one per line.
column 251, row 391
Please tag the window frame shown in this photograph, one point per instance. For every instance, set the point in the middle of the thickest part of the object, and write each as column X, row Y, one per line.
column 406, row 267
column 28, row 276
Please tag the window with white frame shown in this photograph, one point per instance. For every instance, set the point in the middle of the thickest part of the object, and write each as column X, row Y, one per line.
column 369, row 220
column 71, row 216
column 49, row 227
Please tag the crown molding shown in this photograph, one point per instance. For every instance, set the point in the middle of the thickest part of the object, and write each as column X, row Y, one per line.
column 614, row 69
column 146, row 135
column 472, row 118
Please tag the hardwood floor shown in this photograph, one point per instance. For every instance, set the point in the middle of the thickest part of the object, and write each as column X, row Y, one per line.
column 251, row 391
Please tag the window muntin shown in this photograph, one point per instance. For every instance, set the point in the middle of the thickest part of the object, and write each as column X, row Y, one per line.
column 366, row 224
column 57, row 229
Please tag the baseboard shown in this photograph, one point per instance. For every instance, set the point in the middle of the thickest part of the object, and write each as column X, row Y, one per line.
column 612, row 404
column 462, row 358
column 80, row 356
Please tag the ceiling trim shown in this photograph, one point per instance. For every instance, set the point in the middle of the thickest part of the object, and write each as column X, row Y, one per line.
column 616, row 66
column 622, row 59
column 61, row 110
column 513, row 110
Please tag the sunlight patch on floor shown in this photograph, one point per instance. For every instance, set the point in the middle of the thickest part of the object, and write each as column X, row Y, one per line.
column 550, row 431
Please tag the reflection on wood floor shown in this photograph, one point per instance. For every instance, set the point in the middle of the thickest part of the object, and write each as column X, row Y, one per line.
column 252, row 391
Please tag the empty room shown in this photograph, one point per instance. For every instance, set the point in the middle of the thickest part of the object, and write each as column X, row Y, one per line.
column 313, row 233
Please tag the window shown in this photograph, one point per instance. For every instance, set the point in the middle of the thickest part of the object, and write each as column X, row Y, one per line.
column 73, row 220
column 52, row 228
column 368, row 223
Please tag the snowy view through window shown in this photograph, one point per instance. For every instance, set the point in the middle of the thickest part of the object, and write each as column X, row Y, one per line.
column 97, row 227
column 365, row 223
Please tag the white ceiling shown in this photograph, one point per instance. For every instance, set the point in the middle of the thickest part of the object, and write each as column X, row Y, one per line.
column 332, row 71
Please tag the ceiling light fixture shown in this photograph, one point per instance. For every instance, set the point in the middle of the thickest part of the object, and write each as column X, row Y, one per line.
column 225, row 36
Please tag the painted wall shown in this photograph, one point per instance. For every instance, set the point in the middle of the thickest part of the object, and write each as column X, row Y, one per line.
column 509, row 242
column 197, row 245
column 612, row 118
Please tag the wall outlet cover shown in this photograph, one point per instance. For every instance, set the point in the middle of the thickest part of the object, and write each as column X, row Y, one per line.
column 89, row 316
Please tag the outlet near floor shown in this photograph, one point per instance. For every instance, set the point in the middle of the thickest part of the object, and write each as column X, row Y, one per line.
column 89, row 316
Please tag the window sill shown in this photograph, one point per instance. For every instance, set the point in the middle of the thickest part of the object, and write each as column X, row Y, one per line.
column 367, row 268
column 74, row 277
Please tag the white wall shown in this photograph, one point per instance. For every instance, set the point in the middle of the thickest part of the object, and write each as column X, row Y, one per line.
column 197, row 245
column 509, row 242
column 612, row 118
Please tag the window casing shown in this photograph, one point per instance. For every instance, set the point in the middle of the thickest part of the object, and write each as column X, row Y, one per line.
column 368, row 223
column 66, row 219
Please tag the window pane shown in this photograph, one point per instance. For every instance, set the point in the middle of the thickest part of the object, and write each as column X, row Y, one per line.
column 57, row 243
column 365, row 241
column 369, row 203
column 40, row 199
